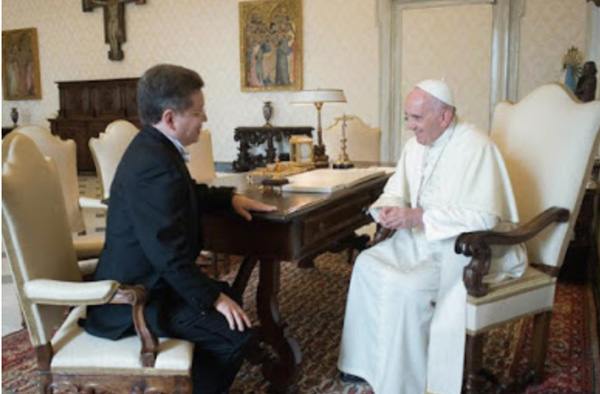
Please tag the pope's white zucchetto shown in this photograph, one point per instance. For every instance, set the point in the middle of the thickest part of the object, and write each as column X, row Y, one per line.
column 438, row 89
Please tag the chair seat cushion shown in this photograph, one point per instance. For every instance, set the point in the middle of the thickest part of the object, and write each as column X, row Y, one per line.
column 527, row 295
column 76, row 350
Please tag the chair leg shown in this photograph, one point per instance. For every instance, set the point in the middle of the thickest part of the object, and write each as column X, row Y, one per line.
column 473, row 364
column 215, row 264
column 227, row 262
column 539, row 344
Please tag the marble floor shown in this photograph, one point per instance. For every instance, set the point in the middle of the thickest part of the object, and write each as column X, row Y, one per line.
column 94, row 219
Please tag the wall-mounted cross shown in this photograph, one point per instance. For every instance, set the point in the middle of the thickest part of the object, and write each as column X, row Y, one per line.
column 114, row 22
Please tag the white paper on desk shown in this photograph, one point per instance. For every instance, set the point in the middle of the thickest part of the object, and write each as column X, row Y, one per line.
column 327, row 180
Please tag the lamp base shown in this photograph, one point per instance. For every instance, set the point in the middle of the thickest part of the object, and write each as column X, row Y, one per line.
column 320, row 158
column 321, row 164
column 343, row 165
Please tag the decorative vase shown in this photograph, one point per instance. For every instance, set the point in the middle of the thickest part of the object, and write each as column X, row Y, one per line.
column 570, row 78
column 14, row 115
column 267, row 112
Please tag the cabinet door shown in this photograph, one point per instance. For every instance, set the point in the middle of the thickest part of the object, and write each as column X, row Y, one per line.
column 130, row 97
column 74, row 100
column 107, row 100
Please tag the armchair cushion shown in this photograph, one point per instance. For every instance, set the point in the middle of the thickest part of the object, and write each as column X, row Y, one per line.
column 530, row 294
column 76, row 350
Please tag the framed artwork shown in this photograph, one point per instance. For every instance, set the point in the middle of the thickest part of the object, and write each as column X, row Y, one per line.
column 20, row 65
column 271, row 45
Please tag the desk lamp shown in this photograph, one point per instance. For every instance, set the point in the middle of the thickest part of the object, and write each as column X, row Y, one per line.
column 318, row 98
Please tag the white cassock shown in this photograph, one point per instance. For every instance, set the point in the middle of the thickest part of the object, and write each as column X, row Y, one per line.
column 404, row 328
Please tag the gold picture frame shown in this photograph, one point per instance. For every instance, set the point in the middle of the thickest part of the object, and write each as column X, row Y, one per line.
column 271, row 45
column 20, row 65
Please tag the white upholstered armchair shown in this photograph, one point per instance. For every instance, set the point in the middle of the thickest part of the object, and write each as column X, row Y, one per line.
column 202, row 169
column 63, row 154
column 38, row 246
column 362, row 144
column 548, row 141
column 108, row 149
column 363, row 141
column 202, row 162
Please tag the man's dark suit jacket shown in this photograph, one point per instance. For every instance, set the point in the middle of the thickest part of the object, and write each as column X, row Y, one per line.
column 153, row 235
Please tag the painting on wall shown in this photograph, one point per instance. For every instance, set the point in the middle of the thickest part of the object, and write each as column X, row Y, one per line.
column 271, row 45
column 20, row 65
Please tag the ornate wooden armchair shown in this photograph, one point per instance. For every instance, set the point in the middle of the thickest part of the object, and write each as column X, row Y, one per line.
column 548, row 141
column 37, row 240
column 108, row 149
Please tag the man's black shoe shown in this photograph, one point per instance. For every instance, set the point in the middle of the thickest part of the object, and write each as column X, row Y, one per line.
column 347, row 378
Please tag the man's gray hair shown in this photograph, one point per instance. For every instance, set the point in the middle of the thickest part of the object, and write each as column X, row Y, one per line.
column 165, row 86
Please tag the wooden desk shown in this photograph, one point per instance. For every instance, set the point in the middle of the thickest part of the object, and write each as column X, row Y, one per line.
column 255, row 136
column 303, row 225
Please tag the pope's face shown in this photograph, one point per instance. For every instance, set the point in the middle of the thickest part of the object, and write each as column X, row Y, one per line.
column 188, row 123
column 423, row 117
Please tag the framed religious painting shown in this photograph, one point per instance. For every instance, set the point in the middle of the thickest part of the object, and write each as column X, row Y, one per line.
column 271, row 45
column 20, row 65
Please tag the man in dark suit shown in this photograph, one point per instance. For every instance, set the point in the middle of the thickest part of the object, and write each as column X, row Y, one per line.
column 153, row 234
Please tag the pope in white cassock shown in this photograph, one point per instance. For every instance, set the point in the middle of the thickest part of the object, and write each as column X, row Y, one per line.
column 404, row 328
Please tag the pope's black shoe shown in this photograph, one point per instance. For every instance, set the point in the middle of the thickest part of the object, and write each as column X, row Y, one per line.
column 347, row 378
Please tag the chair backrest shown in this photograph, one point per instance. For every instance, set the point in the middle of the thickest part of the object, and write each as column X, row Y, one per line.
column 548, row 141
column 108, row 149
column 363, row 142
column 64, row 155
column 35, row 230
column 202, row 164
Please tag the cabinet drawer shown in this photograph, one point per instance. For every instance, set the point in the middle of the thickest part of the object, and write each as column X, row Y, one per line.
column 336, row 221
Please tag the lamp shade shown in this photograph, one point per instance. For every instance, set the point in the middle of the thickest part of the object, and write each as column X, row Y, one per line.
column 319, row 96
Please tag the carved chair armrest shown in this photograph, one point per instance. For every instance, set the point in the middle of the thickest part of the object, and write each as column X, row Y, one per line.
column 477, row 245
column 136, row 297
column 58, row 292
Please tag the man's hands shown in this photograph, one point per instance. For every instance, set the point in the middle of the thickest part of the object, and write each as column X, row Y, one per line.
column 400, row 217
column 235, row 315
column 243, row 205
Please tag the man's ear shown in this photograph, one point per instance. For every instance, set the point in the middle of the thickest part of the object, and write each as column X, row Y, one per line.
column 447, row 115
column 168, row 118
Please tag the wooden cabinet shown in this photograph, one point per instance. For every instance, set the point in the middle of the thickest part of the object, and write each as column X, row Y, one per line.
column 87, row 107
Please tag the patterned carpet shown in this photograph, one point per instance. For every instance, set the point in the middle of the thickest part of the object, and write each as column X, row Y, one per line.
column 312, row 302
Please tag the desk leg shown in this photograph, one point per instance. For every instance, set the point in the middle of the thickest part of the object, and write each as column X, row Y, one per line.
column 282, row 373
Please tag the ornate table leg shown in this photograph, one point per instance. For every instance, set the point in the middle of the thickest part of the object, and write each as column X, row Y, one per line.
column 282, row 373
column 243, row 159
column 270, row 149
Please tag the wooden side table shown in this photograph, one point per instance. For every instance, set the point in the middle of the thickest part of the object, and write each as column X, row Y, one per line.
column 6, row 130
column 257, row 136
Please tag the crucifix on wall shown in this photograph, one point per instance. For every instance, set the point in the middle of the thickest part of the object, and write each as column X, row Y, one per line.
column 114, row 22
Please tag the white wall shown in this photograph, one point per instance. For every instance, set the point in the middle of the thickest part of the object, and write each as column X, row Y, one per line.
column 340, row 51
column 548, row 29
